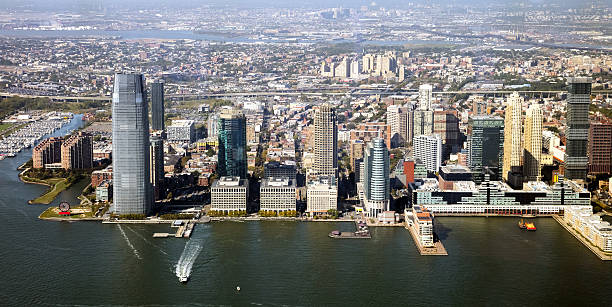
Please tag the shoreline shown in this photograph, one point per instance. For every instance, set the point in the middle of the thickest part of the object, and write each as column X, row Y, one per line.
column 599, row 253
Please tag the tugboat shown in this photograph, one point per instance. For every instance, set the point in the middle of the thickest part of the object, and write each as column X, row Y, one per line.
column 521, row 224
column 530, row 226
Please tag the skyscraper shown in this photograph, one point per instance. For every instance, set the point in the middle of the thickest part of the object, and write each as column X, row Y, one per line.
column 428, row 149
column 157, row 166
column 485, row 147
column 376, row 177
column 326, row 141
column 157, row 105
column 577, row 134
column 232, row 144
column 399, row 119
column 423, row 122
column 132, row 186
column 532, row 158
column 513, row 126
column 600, row 147
column 425, row 96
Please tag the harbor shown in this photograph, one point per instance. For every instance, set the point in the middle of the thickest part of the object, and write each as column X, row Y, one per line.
column 29, row 130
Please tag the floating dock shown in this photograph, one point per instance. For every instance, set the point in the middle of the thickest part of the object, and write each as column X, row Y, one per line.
column 362, row 232
column 183, row 231
column 436, row 250
column 599, row 253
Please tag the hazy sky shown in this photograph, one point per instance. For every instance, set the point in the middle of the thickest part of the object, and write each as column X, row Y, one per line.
column 81, row 4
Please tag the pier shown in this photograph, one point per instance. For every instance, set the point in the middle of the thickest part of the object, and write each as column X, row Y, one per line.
column 599, row 253
column 362, row 232
column 436, row 250
column 184, row 230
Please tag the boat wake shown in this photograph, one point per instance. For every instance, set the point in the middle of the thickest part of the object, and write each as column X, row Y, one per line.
column 129, row 243
column 192, row 250
column 147, row 241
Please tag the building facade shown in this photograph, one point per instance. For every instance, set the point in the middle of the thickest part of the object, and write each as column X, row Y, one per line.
column 156, row 166
column 277, row 194
column 229, row 193
column 325, row 141
column 532, row 154
column 182, row 131
column 428, row 149
column 486, row 143
column 376, row 183
column 46, row 152
column 232, row 152
column 577, row 134
column 513, row 133
column 77, row 151
column 321, row 196
column 157, row 105
column 132, row 187
column 600, row 148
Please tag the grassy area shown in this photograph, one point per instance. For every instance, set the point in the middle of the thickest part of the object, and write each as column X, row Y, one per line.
column 76, row 213
column 4, row 126
column 57, row 186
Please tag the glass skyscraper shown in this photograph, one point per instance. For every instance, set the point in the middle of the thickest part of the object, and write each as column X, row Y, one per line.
column 232, row 144
column 376, row 182
column 157, row 105
column 577, row 134
column 486, row 146
column 131, row 181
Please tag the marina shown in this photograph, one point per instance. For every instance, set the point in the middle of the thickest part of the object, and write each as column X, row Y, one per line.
column 32, row 130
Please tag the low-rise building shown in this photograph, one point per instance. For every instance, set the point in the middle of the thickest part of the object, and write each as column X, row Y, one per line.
column 229, row 193
column 321, row 196
column 182, row 131
column 423, row 222
column 104, row 191
column 590, row 226
column 277, row 194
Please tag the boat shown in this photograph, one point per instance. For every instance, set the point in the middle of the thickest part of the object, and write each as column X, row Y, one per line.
column 521, row 224
column 237, row 288
column 184, row 279
column 530, row 226
column 334, row 234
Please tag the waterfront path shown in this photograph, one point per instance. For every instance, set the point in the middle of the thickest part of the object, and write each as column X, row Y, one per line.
column 599, row 253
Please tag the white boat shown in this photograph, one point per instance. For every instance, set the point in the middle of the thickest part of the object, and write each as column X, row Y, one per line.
column 184, row 279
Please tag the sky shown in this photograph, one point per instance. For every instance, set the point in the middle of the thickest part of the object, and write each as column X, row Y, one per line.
column 80, row 4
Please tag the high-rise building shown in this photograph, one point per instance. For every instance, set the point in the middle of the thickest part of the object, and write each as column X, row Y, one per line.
column 132, row 187
column 486, row 146
column 376, row 177
column 157, row 105
column 600, row 148
column 400, row 120
column 423, row 123
column 446, row 125
column 513, row 128
column 428, row 149
column 212, row 125
column 47, row 152
column 156, row 166
column 532, row 158
column 232, row 144
column 326, row 141
column 368, row 63
column 577, row 134
column 425, row 96
column 77, row 151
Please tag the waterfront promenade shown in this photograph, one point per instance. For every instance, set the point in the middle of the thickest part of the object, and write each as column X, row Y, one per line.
column 599, row 253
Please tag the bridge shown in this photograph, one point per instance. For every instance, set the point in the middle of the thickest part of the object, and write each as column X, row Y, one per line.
column 322, row 92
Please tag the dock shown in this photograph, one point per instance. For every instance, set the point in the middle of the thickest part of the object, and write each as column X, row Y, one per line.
column 437, row 250
column 599, row 253
column 362, row 232
column 183, row 231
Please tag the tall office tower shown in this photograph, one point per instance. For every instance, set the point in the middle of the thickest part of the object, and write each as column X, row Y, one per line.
column 398, row 120
column 156, row 166
column 157, row 105
column 425, row 96
column 423, row 122
column 486, row 146
column 232, row 144
column 577, row 134
column 376, row 177
column 600, row 148
column 513, row 126
column 326, row 141
column 77, row 151
column 428, row 149
column 532, row 159
column 132, row 186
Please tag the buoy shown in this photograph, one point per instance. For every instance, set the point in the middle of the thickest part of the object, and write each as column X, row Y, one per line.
column 237, row 288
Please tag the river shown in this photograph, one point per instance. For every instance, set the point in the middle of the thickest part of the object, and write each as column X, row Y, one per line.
column 490, row 262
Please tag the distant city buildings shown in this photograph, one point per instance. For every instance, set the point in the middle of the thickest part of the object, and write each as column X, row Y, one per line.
column 132, row 186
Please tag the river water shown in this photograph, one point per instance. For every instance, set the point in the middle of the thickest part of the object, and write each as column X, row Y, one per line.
column 490, row 262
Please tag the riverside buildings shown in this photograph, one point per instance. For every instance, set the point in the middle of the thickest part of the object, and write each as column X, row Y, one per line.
column 132, row 187
column 376, row 185
column 47, row 152
column 577, row 134
column 321, row 196
column 590, row 226
column 513, row 128
column 277, row 194
column 73, row 152
column 232, row 152
column 157, row 105
column 229, row 193
column 325, row 142
column 532, row 154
